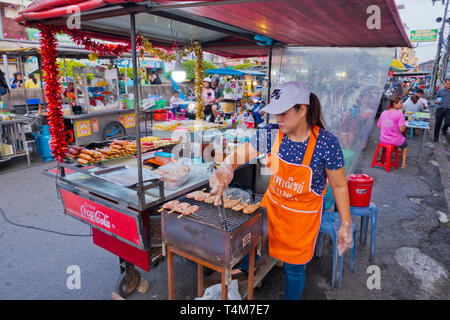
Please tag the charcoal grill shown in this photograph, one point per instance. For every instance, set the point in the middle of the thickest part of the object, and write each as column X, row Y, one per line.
column 203, row 238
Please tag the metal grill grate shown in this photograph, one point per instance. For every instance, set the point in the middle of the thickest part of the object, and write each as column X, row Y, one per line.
column 209, row 214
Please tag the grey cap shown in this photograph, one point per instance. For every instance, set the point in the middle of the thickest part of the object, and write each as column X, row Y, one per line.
column 287, row 95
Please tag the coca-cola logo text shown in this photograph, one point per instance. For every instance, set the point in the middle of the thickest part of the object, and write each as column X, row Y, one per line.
column 90, row 212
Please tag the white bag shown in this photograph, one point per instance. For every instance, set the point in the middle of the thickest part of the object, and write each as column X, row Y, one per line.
column 215, row 292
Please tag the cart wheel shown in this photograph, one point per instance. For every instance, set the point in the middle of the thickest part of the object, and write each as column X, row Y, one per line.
column 128, row 282
column 70, row 137
column 113, row 130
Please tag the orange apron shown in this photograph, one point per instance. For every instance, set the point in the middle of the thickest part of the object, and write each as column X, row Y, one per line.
column 294, row 211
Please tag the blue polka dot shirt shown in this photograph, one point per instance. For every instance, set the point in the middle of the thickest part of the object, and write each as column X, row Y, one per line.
column 327, row 153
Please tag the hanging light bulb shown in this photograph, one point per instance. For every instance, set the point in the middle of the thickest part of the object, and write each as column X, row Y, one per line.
column 178, row 74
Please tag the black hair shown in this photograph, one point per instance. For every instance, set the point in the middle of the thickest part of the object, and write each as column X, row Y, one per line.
column 16, row 74
column 420, row 91
column 33, row 77
column 314, row 116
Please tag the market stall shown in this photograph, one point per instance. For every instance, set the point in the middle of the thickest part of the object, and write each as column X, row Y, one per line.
column 95, row 111
column 13, row 139
column 236, row 98
column 124, row 215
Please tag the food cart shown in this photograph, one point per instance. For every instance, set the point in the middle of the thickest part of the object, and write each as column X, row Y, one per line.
column 102, row 115
column 125, row 218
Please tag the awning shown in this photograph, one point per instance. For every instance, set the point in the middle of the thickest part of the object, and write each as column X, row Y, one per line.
column 225, row 71
column 17, row 46
column 229, row 29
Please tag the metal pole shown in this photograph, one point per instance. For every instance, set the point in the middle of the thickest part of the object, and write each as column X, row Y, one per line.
column 41, row 79
column 67, row 80
column 269, row 86
column 136, row 111
column 5, row 56
column 22, row 70
column 438, row 54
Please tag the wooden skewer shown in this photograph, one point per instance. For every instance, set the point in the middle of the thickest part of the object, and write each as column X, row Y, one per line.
column 247, row 200
column 171, row 211
column 180, row 216
column 203, row 189
column 258, row 203
column 229, row 196
column 160, row 209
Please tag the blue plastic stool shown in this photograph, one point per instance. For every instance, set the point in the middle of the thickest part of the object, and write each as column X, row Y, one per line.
column 329, row 226
column 366, row 214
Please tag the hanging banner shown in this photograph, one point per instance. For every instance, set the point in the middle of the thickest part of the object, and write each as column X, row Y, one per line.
column 428, row 35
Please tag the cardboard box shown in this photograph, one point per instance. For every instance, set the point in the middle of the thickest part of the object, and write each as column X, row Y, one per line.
column 228, row 107
column 6, row 150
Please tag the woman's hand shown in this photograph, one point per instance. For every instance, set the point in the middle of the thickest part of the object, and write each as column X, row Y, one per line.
column 345, row 239
column 219, row 181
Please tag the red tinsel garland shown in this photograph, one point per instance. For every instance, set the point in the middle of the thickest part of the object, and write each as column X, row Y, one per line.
column 52, row 90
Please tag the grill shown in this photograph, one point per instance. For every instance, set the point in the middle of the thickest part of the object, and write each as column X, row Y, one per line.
column 203, row 236
column 209, row 214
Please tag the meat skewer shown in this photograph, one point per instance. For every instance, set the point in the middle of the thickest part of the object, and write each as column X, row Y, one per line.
column 202, row 196
column 192, row 195
column 241, row 206
column 251, row 208
column 231, row 203
column 210, row 199
column 180, row 207
column 169, row 205
column 189, row 211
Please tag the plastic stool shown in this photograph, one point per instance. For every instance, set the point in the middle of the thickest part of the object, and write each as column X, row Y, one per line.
column 330, row 226
column 386, row 159
column 169, row 115
column 366, row 214
column 181, row 115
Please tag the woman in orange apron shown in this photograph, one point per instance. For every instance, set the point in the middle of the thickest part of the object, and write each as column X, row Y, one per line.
column 302, row 158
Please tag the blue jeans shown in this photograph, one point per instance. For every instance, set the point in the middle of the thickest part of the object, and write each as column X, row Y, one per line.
column 294, row 274
column 295, row 279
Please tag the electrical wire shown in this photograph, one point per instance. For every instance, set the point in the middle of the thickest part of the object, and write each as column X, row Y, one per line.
column 40, row 229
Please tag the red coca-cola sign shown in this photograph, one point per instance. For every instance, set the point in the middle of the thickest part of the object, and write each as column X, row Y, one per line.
column 102, row 217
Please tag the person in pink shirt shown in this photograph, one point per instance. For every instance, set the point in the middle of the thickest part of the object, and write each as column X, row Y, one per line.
column 209, row 99
column 392, row 124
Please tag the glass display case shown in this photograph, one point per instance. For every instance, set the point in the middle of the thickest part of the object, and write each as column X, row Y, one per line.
column 95, row 89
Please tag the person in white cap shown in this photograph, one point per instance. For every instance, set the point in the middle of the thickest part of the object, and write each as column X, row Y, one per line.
column 301, row 156
column 209, row 98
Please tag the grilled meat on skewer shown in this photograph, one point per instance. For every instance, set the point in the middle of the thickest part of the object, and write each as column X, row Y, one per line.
column 194, row 194
column 202, row 196
column 210, row 200
column 170, row 205
column 251, row 208
column 231, row 203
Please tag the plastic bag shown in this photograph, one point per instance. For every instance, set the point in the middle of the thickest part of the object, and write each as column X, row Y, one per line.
column 347, row 234
column 215, row 292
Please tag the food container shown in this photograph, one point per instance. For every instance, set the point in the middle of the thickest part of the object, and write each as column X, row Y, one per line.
column 174, row 174
column 163, row 157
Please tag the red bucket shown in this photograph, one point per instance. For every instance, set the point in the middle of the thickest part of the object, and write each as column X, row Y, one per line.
column 360, row 190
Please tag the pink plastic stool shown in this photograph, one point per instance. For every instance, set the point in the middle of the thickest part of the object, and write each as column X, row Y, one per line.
column 169, row 115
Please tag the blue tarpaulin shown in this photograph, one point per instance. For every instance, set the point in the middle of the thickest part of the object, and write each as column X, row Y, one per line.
column 225, row 71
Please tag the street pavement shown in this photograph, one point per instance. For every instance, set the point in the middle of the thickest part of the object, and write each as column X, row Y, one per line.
column 412, row 254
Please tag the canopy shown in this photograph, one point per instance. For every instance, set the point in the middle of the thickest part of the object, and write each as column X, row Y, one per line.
column 243, row 28
column 399, row 66
column 234, row 72
column 17, row 46
column 225, row 71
